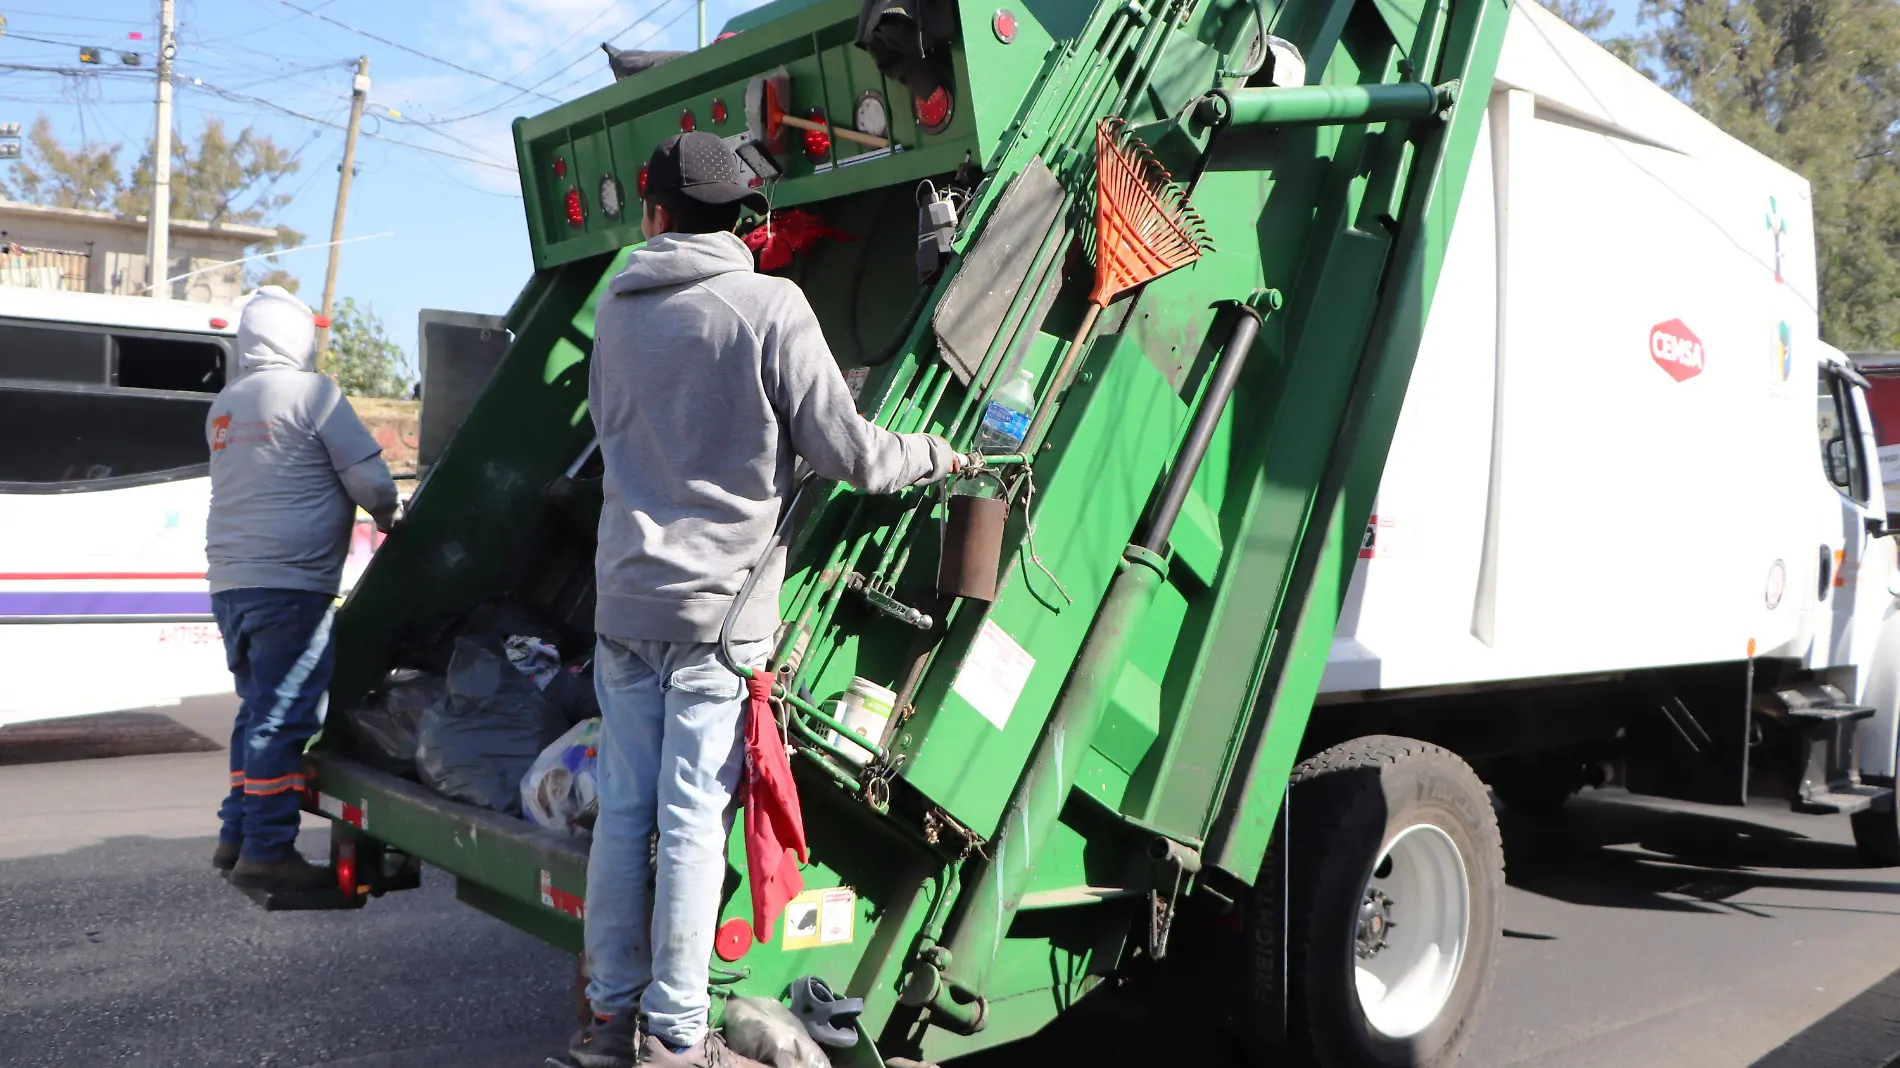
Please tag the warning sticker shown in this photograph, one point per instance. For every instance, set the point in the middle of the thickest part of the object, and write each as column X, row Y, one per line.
column 994, row 674
column 820, row 918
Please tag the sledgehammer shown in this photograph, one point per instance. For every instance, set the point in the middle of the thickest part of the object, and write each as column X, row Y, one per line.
column 765, row 114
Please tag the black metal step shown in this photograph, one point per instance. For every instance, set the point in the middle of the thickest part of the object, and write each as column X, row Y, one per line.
column 1843, row 798
column 302, row 900
column 1832, row 713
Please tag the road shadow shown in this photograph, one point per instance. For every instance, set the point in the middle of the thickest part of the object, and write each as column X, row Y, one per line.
column 1864, row 1033
column 1607, row 851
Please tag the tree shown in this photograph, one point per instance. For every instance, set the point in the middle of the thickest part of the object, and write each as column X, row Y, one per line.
column 85, row 177
column 361, row 357
column 220, row 179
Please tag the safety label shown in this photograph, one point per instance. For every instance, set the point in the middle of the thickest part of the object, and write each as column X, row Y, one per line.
column 994, row 674
column 821, row 918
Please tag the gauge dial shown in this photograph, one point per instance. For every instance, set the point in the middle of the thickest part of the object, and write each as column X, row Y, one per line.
column 871, row 116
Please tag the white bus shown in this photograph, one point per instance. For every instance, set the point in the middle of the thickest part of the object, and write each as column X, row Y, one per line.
column 104, row 486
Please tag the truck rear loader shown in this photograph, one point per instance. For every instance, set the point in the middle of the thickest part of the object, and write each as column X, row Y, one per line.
column 1329, row 512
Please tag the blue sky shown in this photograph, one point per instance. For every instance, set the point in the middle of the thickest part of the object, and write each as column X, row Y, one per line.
column 456, row 235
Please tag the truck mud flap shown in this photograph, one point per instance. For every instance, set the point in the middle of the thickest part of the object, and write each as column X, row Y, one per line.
column 1688, row 738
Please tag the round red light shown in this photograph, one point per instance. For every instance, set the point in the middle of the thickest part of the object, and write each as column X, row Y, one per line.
column 687, row 123
column 718, row 112
column 934, row 110
column 732, row 940
column 641, row 181
column 576, row 213
column 219, row 324
column 1004, row 23
column 560, row 167
column 817, row 142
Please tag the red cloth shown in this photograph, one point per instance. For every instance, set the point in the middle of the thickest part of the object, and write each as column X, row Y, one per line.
column 774, row 826
column 790, row 231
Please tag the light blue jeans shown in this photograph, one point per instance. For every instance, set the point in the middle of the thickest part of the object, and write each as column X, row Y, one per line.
column 671, row 755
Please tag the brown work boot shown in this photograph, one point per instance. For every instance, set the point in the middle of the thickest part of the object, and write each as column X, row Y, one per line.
column 225, row 857
column 289, row 874
column 712, row 1052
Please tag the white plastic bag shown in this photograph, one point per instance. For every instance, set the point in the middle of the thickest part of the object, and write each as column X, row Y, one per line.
column 766, row 1031
column 561, row 783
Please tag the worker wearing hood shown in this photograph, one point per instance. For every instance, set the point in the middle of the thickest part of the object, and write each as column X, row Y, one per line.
column 290, row 464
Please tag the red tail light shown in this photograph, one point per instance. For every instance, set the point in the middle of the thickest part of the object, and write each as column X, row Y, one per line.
column 817, row 142
column 219, row 324
column 642, row 179
column 346, row 867
column 576, row 215
column 719, row 112
column 560, row 167
column 687, row 123
column 934, row 110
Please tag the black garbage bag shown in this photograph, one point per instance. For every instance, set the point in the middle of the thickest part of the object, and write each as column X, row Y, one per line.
column 572, row 692
column 477, row 742
column 384, row 730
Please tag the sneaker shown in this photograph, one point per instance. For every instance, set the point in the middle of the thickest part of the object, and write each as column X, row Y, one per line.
column 225, row 857
column 290, row 874
column 602, row 1042
column 711, row 1052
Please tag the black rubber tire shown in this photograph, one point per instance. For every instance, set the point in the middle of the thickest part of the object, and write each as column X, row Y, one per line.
column 1347, row 803
column 1877, row 836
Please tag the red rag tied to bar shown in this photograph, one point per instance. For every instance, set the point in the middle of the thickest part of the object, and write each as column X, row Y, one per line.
column 792, row 231
column 774, row 825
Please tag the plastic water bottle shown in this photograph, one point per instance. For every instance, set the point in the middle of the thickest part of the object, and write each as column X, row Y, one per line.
column 1006, row 420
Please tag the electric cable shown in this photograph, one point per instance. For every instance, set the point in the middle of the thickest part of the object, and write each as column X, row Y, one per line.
column 412, row 51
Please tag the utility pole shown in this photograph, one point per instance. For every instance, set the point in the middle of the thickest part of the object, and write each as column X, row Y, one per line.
column 159, row 218
column 359, row 95
column 702, row 23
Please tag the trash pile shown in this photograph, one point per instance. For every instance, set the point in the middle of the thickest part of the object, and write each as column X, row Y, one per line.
column 506, row 724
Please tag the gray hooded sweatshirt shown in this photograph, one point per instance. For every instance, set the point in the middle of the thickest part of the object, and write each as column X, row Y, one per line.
column 290, row 461
column 708, row 383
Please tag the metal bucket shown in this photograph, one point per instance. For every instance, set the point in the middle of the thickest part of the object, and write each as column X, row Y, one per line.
column 972, row 547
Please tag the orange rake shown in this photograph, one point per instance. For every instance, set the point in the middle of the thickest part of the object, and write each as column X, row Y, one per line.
column 1144, row 228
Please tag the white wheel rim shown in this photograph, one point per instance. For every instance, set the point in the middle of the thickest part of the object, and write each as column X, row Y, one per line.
column 1409, row 940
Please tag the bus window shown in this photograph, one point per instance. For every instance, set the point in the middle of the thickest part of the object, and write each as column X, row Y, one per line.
column 177, row 363
column 63, row 438
column 54, row 354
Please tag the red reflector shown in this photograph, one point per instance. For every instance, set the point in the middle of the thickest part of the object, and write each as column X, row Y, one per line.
column 733, row 939
column 642, row 179
column 817, row 142
column 322, row 321
column 1004, row 23
column 934, row 110
column 575, row 214
column 219, row 324
column 346, row 867
column 560, row 167
column 687, row 123
column 718, row 112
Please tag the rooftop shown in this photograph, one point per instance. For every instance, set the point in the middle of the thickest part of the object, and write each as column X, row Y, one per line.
column 248, row 234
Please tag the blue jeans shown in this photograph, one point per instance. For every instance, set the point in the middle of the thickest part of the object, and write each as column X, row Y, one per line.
column 671, row 754
column 277, row 645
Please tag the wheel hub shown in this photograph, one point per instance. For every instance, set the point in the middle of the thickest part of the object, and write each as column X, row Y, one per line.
column 1375, row 923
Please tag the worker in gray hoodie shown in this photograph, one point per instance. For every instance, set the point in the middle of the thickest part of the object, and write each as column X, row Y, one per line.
column 290, row 463
column 708, row 384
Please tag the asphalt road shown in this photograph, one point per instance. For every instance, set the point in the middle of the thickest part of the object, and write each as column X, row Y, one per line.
column 1637, row 935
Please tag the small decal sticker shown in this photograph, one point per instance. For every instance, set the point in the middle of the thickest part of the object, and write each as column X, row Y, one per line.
column 1377, row 543
column 1784, row 351
column 820, row 918
column 1676, row 349
column 994, row 674
column 1777, row 585
column 1777, row 227
column 560, row 900
column 220, row 432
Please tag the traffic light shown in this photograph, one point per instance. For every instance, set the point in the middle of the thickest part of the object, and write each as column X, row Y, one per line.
column 88, row 54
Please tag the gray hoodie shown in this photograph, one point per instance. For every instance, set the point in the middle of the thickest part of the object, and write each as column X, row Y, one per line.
column 290, row 461
column 708, row 383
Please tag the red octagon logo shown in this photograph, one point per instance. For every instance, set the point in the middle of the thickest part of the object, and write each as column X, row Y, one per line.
column 1676, row 349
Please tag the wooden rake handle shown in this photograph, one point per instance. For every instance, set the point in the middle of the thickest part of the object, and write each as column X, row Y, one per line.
column 840, row 132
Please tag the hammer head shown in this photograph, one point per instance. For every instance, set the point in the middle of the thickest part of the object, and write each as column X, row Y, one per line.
column 765, row 99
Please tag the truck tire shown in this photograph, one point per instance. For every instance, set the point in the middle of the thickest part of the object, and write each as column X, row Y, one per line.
column 1394, row 907
column 1877, row 835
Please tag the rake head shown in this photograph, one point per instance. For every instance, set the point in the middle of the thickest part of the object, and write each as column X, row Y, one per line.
column 1144, row 225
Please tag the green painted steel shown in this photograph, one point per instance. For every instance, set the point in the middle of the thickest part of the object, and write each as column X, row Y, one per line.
column 984, row 868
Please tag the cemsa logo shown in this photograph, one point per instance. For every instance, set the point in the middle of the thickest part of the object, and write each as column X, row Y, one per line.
column 220, row 432
column 1676, row 350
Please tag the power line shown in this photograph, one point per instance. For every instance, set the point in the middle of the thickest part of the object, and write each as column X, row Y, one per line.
column 657, row 30
column 412, row 51
column 246, row 98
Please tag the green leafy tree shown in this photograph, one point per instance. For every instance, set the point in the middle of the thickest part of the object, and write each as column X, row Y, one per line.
column 217, row 179
column 1814, row 84
column 49, row 173
column 361, row 357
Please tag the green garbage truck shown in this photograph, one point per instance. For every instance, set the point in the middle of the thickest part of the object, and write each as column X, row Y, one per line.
column 1205, row 238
